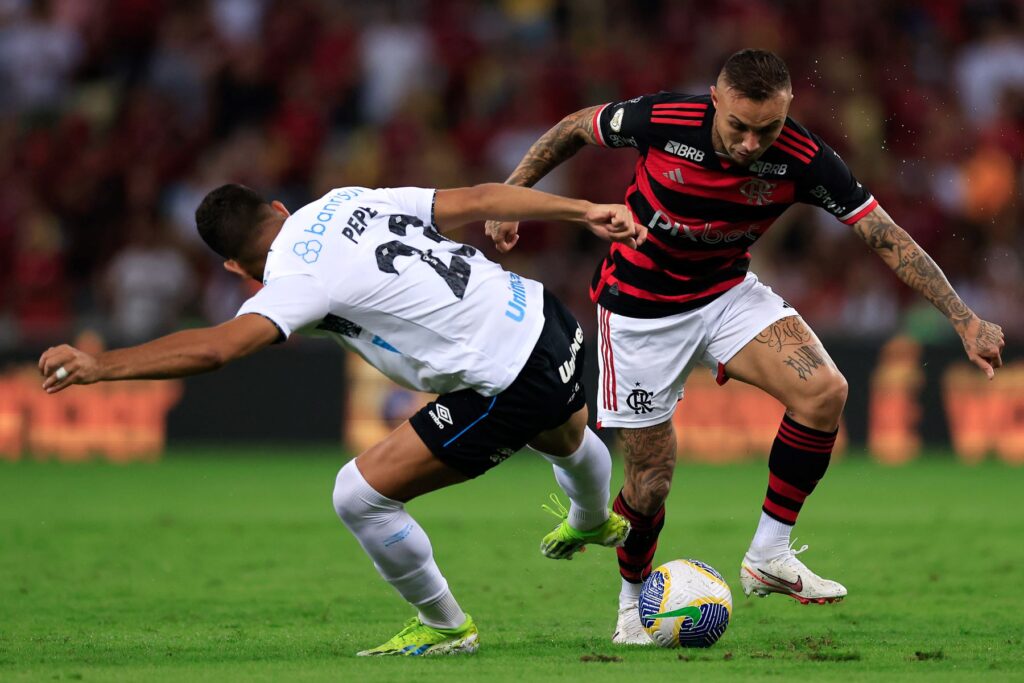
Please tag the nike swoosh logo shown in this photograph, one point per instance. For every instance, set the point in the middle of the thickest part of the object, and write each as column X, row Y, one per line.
column 693, row 612
column 795, row 586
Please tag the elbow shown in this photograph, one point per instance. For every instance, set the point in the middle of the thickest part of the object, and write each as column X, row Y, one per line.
column 479, row 196
column 476, row 202
column 211, row 358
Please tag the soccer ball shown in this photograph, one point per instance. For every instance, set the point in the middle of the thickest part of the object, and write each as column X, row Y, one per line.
column 685, row 603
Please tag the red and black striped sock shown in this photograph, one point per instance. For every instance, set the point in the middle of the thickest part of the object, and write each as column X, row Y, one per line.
column 637, row 552
column 799, row 458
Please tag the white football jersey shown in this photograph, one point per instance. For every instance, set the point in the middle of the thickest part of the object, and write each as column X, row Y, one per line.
column 368, row 268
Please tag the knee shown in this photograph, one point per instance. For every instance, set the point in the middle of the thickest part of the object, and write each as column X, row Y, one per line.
column 824, row 405
column 355, row 502
column 646, row 490
column 346, row 503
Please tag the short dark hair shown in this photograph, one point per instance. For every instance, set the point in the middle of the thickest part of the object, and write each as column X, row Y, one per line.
column 227, row 219
column 756, row 74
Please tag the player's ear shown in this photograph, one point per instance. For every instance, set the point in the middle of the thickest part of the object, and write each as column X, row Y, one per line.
column 714, row 97
column 279, row 208
column 232, row 266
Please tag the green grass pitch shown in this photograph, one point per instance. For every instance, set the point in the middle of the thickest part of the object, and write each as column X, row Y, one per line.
column 220, row 566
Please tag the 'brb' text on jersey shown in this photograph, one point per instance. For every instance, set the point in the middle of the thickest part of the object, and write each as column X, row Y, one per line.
column 703, row 213
column 368, row 268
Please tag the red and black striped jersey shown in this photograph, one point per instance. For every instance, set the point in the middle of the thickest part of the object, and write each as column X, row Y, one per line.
column 704, row 212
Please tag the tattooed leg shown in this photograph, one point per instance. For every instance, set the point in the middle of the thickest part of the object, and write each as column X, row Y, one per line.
column 650, row 460
column 787, row 361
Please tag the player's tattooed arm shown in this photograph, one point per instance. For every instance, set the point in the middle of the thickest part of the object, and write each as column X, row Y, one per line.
column 983, row 341
column 650, row 460
column 566, row 138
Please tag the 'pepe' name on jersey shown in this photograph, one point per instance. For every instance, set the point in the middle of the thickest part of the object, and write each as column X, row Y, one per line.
column 356, row 224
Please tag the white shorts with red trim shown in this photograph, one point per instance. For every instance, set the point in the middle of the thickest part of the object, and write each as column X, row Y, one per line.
column 645, row 361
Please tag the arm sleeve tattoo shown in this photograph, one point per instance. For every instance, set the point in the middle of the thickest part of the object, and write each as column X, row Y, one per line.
column 910, row 262
column 565, row 139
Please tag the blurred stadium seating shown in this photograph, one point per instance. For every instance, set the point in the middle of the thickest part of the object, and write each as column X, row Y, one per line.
column 118, row 115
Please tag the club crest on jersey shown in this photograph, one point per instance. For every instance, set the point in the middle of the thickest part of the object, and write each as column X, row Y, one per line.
column 684, row 151
column 616, row 122
column 757, row 191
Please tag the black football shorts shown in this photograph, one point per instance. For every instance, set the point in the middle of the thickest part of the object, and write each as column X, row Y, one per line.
column 472, row 433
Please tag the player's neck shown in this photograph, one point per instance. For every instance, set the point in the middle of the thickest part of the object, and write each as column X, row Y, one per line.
column 268, row 232
column 716, row 140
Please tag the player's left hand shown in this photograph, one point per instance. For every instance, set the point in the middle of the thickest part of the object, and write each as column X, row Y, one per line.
column 65, row 365
column 614, row 222
column 983, row 342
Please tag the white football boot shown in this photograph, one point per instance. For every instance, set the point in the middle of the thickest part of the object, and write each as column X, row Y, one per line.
column 628, row 629
column 789, row 576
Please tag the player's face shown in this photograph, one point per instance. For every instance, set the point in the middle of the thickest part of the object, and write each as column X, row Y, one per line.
column 744, row 128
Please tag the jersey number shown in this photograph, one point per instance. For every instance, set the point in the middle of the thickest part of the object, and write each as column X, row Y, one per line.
column 456, row 275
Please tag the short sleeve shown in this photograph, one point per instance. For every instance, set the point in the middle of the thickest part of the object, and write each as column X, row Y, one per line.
column 290, row 302
column 830, row 184
column 413, row 201
column 624, row 124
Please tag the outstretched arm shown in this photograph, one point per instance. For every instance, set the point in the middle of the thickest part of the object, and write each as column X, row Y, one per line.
column 983, row 341
column 453, row 208
column 189, row 352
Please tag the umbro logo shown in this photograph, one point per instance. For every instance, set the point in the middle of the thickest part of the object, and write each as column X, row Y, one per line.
column 675, row 175
column 440, row 415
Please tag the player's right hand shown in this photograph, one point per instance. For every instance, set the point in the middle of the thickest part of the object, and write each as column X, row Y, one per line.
column 504, row 233
column 80, row 368
column 614, row 222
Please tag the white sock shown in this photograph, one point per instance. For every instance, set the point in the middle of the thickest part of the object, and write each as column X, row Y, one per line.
column 585, row 476
column 399, row 548
column 629, row 594
column 771, row 538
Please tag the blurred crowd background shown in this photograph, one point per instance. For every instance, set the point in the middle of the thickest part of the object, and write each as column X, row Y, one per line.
column 117, row 116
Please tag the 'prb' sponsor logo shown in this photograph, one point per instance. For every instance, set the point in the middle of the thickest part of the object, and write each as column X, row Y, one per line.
column 616, row 122
column 764, row 168
column 440, row 415
column 675, row 175
column 757, row 191
column 684, row 151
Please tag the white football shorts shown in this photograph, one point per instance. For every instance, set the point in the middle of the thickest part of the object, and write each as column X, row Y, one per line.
column 645, row 361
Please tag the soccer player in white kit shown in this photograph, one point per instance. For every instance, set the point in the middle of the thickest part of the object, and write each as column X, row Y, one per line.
column 371, row 269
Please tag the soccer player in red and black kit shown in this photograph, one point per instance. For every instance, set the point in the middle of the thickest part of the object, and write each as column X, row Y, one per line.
column 714, row 171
